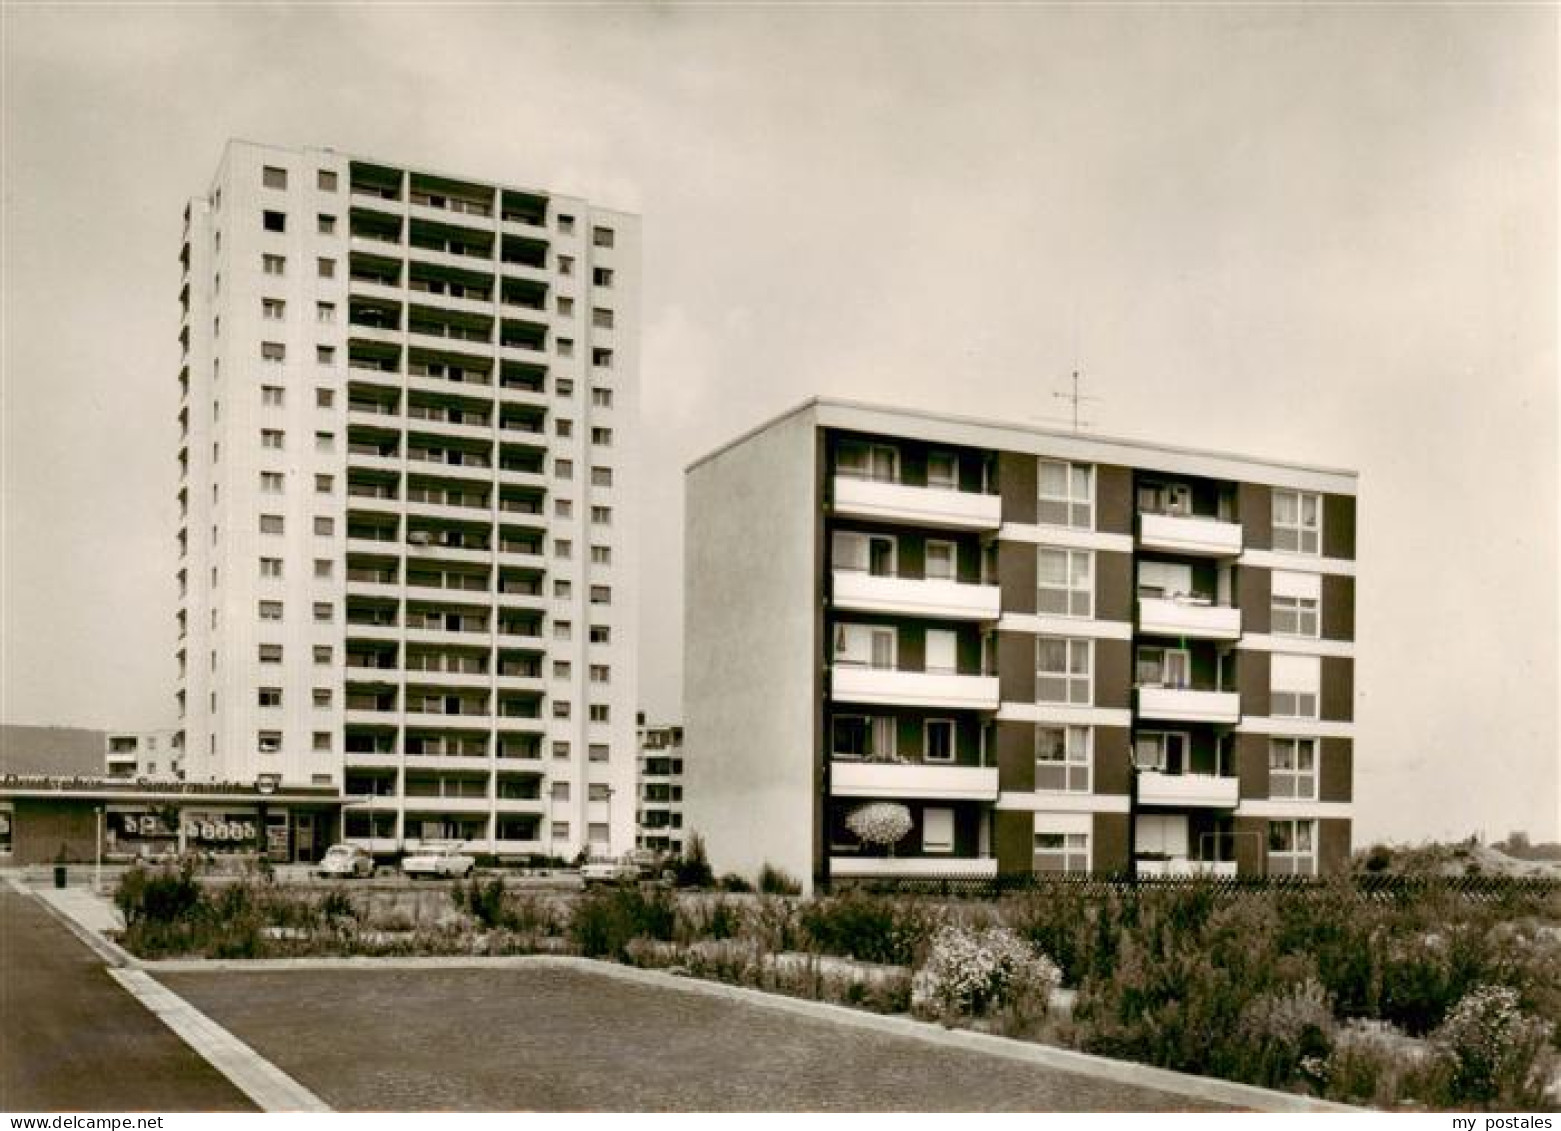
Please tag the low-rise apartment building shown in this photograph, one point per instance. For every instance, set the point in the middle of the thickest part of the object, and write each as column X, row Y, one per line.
column 659, row 818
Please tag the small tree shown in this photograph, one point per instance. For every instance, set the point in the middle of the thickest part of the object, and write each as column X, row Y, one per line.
column 693, row 867
column 883, row 823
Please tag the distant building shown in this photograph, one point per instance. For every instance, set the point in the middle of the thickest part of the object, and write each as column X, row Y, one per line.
column 50, row 750
column 659, row 818
column 151, row 754
column 1051, row 652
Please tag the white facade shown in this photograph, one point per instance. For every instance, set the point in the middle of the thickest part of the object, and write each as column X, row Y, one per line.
column 407, row 477
column 151, row 754
column 659, row 792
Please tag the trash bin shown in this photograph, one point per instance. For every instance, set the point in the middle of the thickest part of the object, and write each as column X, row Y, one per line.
column 59, row 875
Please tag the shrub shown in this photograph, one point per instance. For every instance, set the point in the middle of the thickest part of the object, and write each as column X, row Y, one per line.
column 604, row 922
column 1285, row 1034
column 732, row 882
column 774, row 881
column 159, row 897
column 1369, row 1063
column 709, row 919
column 975, row 971
column 692, row 868
column 484, row 900
column 1493, row 1053
column 871, row 928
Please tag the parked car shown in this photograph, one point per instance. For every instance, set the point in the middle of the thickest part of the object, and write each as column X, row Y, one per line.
column 345, row 861
column 609, row 872
column 438, row 860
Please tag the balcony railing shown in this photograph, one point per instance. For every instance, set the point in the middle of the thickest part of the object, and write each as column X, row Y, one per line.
column 1203, row 790
column 1187, row 704
column 860, row 591
column 931, row 780
column 942, row 507
column 892, row 687
column 1189, row 534
column 1195, row 617
column 843, row 867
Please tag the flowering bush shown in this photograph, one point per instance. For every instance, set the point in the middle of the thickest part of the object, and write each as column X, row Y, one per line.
column 1492, row 1051
column 1286, row 1033
column 882, row 823
column 972, row 971
column 1369, row 1063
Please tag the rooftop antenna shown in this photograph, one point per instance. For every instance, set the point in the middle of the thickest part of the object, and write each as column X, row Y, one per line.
column 1074, row 398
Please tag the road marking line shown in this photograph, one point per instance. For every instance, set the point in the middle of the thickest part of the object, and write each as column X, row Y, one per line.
column 268, row 1086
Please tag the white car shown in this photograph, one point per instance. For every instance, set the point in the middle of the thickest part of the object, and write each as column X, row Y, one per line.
column 438, row 860
column 609, row 872
column 345, row 861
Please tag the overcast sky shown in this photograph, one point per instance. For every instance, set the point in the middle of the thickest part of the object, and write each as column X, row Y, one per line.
column 1322, row 234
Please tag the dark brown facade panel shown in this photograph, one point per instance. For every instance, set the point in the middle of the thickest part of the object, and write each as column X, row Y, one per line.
column 1333, row 845
column 1017, row 483
column 1255, row 508
column 1339, row 526
column 1016, row 567
column 1338, row 688
column 1115, row 590
column 1254, row 596
column 1114, row 674
column 1016, row 667
column 1016, row 757
column 1253, row 682
column 1338, row 611
column 1335, row 775
column 41, row 830
column 1108, row 845
column 1252, row 766
column 1113, row 499
column 1251, row 843
column 1113, row 761
column 1013, row 834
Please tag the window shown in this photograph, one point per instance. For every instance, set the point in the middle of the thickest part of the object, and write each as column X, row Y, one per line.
column 322, row 697
column 324, row 398
column 322, row 653
column 940, row 560
column 327, row 268
column 323, row 567
column 943, row 470
column 562, row 669
column 1061, row 852
column 325, row 180
column 324, row 441
column 564, row 468
column 563, row 508
column 560, row 708
column 566, row 224
column 327, row 224
column 560, row 791
column 601, row 594
column 602, row 237
column 270, row 610
column 602, row 436
column 938, row 740
column 272, row 396
column 564, row 428
column 325, row 313
column 566, row 306
column 601, row 398
column 565, row 346
column 563, row 548
column 601, row 477
column 560, row 830
column 937, row 830
column 566, row 265
column 601, row 318
column 1297, row 522
column 562, row 630
column 1067, row 494
column 269, row 741
column 324, row 484
column 273, row 221
column 1066, row 579
column 560, row 748
column 1294, row 683
column 1292, row 768
column 868, row 461
column 601, row 516
column 321, row 740
column 323, row 612
column 1292, row 848
column 273, row 309
column 271, row 524
column 597, row 833
column 601, row 634
column 1164, row 752
column 270, row 697
column 564, row 386
column 601, row 673
column 1062, row 759
column 1163, row 667
column 563, row 589
column 600, row 713
column 270, row 653
column 1294, row 600
column 273, row 352
column 272, row 177
column 601, row 276
column 598, row 791
column 862, row 736
column 1063, row 670
column 271, row 567
column 601, row 555
column 860, row 645
column 274, row 264
column 601, row 357
column 324, row 525
column 325, row 355
column 271, row 481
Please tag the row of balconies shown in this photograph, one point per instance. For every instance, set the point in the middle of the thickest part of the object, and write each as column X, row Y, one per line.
column 931, row 781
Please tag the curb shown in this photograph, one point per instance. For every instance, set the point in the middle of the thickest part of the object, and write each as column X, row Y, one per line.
column 110, row 952
column 1199, row 1088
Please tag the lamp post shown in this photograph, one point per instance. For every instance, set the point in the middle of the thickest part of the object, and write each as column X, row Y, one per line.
column 1133, row 771
column 97, row 867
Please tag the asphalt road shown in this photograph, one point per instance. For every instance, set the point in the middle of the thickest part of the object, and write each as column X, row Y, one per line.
column 73, row 1040
column 544, row 1039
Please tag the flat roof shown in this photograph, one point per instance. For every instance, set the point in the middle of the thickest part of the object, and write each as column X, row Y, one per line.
column 968, row 431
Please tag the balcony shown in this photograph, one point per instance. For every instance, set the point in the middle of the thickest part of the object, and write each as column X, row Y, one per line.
column 912, row 780
column 1187, row 705
column 922, row 506
column 1186, row 790
column 859, row 591
column 1187, row 534
column 1194, row 617
column 894, row 688
column 841, row 867
column 1180, row 866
